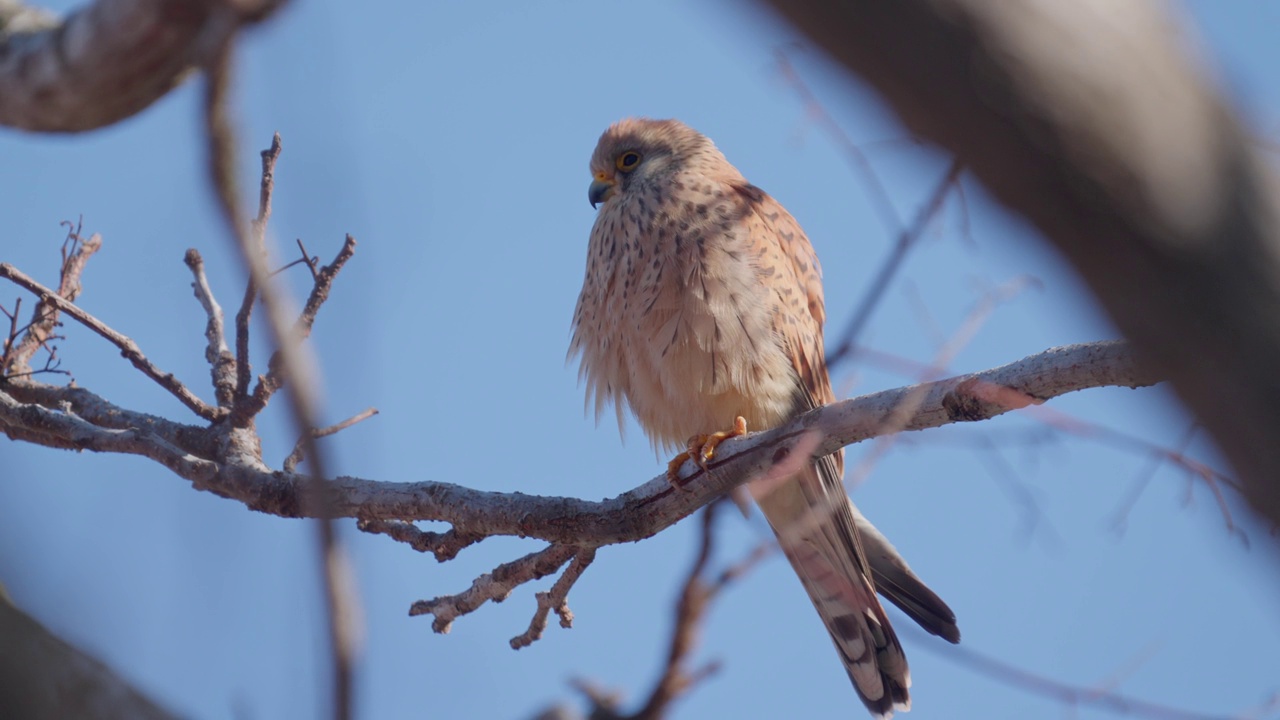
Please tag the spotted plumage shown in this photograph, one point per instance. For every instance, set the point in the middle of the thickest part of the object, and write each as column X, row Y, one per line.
column 702, row 302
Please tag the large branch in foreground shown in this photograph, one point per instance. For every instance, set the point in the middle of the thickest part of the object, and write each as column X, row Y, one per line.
column 1094, row 121
column 44, row 677
column 634, row 515
column 105, row 62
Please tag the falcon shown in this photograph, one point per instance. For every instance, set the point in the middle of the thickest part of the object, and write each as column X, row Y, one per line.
column 701, row 310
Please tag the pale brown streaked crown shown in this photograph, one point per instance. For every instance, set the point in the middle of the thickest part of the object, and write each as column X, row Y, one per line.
column 666, row 146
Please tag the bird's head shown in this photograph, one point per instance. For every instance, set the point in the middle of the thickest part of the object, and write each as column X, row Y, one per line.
column 636, row 151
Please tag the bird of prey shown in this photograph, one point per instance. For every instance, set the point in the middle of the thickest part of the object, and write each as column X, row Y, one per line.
column 701, row 310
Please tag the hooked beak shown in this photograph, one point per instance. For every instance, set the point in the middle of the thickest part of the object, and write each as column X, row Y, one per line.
column 601, row 189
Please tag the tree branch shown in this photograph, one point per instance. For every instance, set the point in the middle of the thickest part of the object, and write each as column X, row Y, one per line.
column 222, row 364
column 128, row 348
column 1109, row 136
column 44, row 677
column 106, row 61
column 634, row 515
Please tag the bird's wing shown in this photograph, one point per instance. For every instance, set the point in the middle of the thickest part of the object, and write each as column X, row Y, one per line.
column 810, row 512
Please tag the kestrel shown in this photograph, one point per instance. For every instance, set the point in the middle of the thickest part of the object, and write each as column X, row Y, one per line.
column 702, row 307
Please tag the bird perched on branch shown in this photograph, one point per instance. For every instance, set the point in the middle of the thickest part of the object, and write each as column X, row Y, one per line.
column 702, row 311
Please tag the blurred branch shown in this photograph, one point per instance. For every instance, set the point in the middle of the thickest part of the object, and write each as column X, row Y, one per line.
column 289, row 361
column 1102, row 696
column 1106, row 132
column 106, row 61
column 44, row 677
column 845, row 346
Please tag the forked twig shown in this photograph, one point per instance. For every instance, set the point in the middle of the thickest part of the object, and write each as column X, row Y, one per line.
column 128, row 348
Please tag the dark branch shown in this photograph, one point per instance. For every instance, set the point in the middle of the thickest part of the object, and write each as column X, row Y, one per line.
column 1126, row 157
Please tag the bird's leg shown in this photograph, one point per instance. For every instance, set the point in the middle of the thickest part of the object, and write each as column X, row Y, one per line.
column 702, row 448
column 711, row 442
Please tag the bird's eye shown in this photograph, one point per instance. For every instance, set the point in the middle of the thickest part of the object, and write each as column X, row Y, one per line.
column 628, row 160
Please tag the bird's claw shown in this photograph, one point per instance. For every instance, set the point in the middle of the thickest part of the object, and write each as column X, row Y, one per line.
column 701, row 448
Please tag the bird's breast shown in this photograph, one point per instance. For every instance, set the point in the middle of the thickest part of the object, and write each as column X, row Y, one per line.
column 676, row 320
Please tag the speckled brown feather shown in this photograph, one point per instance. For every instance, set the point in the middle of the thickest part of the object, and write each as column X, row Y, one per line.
column 702, row 301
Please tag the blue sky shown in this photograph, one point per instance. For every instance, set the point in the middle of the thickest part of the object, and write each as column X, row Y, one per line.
column 453, row 144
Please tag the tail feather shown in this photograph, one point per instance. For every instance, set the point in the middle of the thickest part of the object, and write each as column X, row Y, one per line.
column 858, row 626
column 894, row 580
column 816, row 528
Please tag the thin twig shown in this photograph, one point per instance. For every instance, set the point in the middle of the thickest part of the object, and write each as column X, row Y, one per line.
column 1120, row 518
column 221, row 362
column 1016, row 491
column 1074, row 696
column 274, row 379
column 128, row 348
column 555, row 599
column 309, row 260
column 495, row 586
column 846, row 344
column 295, row 457
column 10, row 340
column 44, row 318
column 907, row 236
column 258, row 240
column 818, row 112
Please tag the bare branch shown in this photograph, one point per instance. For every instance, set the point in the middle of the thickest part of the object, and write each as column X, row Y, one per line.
column 444, row 546
column 258, row 241
column 128, row 348
column 295, row 457
column 556, row 600
column 76, row 432
column 274, row 379
column 636, row 514
column 495, row 586
column 221, row 362
column 45, row 316
column 1056, row 421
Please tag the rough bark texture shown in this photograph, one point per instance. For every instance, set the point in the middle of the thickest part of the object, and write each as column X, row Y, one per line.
column 1097, row 122
column 223, row 460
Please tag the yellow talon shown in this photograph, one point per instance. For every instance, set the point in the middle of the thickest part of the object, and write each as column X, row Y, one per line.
column 709, row 443
column 701, row 448
column 673, row 469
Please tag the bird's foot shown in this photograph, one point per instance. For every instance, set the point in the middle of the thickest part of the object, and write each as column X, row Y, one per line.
column 702, row 448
